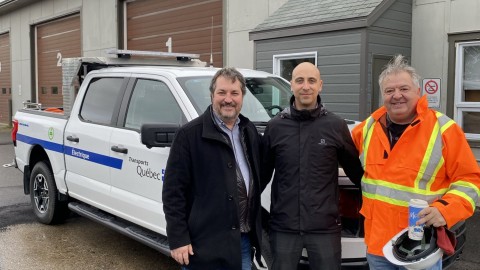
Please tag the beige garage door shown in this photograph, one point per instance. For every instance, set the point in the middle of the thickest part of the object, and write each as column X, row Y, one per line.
column 184, row 26
column 5, row 78
column 55, row 40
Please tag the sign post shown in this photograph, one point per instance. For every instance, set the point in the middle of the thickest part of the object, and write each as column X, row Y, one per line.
column 431, row 88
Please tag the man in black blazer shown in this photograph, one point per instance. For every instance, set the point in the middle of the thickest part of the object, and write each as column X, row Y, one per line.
column 211, row 192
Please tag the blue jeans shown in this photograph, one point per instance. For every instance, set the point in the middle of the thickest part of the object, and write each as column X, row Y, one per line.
column 246, row 249
column 381, row 263
column 246, row 252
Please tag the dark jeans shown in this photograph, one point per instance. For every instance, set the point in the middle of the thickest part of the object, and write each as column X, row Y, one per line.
column 246, row 249
column 324, row 250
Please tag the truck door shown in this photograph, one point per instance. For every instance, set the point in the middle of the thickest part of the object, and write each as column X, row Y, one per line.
column 137, row 188
column 87, row 136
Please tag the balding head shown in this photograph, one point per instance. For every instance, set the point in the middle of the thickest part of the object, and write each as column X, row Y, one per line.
column 305, row 67
column 306, row 84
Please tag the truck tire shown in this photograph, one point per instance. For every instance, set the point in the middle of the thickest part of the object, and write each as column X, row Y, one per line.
column 44, row 195
column 267, row 258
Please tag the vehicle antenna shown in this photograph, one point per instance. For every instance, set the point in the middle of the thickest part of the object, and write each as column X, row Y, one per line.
column 211, row 44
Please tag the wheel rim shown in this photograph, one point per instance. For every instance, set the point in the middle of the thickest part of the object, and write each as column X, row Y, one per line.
column 40, row 193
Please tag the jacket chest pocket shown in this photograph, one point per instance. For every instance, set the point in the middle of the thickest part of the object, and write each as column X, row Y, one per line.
column 321, row 152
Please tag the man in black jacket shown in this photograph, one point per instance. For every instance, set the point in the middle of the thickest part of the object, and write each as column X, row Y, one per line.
column 211, row 192
column 304, row 144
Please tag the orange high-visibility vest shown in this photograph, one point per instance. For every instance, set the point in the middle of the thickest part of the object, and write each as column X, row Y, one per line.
column 431, row 161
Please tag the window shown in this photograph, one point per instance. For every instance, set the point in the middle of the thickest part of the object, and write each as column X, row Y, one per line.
column 44, row 90
column 4, row 90
column 101, row 99
column 55, row 90
column 283, row 64
column 467, row 88
column 152, row 103
column 265, row 97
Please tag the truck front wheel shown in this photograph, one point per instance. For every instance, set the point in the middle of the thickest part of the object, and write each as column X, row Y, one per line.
column 44, row 195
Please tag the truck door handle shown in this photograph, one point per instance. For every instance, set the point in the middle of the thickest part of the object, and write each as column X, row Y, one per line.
column 119, row 149
column 73, row 139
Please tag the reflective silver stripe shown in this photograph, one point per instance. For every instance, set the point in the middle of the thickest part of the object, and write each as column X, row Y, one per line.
column 466, row 190
column 433, row 155
column 444, row 121
column 397, row 194
column 400, row 195
column 367, row 134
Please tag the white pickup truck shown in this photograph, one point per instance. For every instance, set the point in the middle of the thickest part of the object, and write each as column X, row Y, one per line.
column 92, row 160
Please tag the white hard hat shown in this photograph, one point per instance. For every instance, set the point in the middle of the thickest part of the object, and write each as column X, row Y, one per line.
column 413, row 254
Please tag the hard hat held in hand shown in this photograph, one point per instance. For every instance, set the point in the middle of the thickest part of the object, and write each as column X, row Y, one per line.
column 413, row 254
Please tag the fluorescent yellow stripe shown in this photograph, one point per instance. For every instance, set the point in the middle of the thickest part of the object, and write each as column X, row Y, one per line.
column 385, row 199
column 404, row 188
column 463, row 195
column 447, row 125
column 367, row 136
column 427, row 155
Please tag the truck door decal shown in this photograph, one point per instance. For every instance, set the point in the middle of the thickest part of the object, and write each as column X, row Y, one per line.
column 45, row 144
column 115, row 163
column 108, row 161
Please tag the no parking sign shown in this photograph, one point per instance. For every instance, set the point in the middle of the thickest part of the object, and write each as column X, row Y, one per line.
column 431, row 88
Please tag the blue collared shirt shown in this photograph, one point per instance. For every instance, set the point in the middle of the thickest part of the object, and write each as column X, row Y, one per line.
column 234, row 135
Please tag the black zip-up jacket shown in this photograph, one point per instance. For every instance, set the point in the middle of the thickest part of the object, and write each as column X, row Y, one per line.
column 305, row 147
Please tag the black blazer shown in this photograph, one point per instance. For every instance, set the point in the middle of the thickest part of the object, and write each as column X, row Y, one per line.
column 200, row 193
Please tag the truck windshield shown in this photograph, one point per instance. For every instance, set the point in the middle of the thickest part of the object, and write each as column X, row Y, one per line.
column 264, row 99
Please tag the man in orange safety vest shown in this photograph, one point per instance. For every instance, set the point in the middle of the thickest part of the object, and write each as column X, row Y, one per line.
column 409, row 151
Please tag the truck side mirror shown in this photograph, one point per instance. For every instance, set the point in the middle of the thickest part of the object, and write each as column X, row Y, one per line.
column 158, row 135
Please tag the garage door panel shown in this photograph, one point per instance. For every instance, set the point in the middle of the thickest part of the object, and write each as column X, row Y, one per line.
column 5, row 78
column 139, row 8
column 179, row 45
column 66, row 47
column 184, row 16
column 55, row 40
column 192, row 37
column 175, row 26
column 188, row 23
column 59, row 27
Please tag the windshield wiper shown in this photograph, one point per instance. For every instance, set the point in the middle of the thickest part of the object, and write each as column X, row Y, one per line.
column 259, row 123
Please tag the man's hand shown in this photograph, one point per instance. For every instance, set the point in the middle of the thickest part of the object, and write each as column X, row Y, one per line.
column 431, row 216
column 181, row 254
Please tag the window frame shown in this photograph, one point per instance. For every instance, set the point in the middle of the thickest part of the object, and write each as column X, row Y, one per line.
column 132, row 93
column 463, row 106
column 278, row 58
column 116, row 106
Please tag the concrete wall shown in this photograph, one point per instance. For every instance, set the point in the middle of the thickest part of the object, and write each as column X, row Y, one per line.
column 99, row 32
column 242, row 17
column 432, row 21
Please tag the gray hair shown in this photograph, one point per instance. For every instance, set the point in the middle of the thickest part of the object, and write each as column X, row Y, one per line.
column 399, row 64
column 229, row 73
